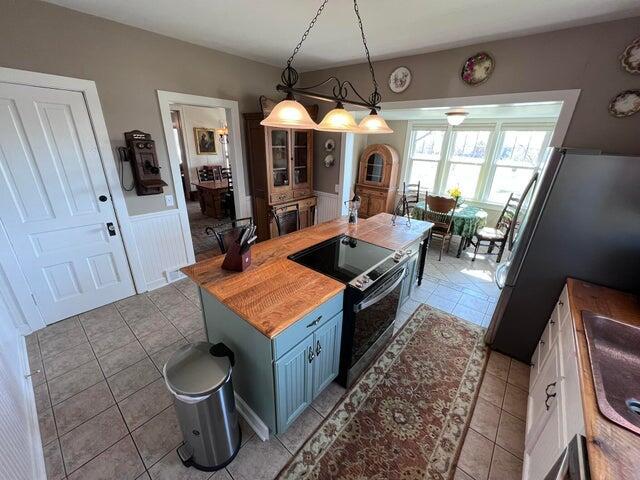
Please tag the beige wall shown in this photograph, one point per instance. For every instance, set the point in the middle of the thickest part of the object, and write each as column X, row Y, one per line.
column 583, row 58
column 128, row 66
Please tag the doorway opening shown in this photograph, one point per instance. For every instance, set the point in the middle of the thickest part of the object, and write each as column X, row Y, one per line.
column 203, row 141
column 486, row 162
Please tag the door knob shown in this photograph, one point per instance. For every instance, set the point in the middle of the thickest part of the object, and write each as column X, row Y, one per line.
column 111, row 229
column 102, row 198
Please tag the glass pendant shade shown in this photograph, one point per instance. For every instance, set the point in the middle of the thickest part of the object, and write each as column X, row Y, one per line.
column 338, row 120
column 289, row 114
column 374, row 123
column 456, row 117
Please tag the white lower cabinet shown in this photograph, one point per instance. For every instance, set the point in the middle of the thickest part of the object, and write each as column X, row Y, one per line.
column 554, row 410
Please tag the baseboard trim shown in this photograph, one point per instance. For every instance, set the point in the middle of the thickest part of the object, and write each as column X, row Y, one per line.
column 252, row 419
column 37, row 452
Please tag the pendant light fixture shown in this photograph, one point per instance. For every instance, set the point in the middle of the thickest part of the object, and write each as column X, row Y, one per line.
column 456, row 117
column 289, row 113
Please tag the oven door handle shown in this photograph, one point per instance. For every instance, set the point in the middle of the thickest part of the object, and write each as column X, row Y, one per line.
column 367, row 303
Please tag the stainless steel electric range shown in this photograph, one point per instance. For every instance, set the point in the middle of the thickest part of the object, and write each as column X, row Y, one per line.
column 373, row 276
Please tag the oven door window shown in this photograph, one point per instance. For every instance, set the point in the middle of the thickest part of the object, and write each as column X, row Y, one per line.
column 375, row 313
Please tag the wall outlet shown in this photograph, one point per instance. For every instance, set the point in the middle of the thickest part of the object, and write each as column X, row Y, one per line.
column 336, row 188
column 168, row 200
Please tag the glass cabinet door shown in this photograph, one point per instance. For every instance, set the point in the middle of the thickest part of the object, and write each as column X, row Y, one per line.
column 375, row 168
column 301, row 148
column 280, row 158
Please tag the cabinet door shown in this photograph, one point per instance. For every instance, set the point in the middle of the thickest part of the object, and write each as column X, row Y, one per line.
column 294, row 383
column 278, row 153
column 541, row 456
column 302, row 143
column 544, row 397
column 376, row 205
column 409, row 281
column 327, row 353
column 364, row 205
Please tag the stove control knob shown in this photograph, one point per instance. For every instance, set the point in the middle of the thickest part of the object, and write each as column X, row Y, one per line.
column 398, row 255
column 365, row 279
column 359, row 284
column 409, row 252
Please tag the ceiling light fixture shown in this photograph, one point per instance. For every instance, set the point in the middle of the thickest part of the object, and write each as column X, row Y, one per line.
column 289, row 113
column 456, row 117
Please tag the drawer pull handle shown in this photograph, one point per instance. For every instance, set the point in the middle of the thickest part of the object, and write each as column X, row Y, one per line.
column 549, row 395
column 315, row 322
column 541, row 342
column 561, row 303
column 552, row 322
column 318, row 348
column 311, row 354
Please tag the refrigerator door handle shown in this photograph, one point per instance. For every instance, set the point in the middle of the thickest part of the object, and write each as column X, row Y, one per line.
column 501, row 275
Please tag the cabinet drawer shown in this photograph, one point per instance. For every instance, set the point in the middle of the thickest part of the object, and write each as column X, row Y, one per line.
column 289, row 338
column 543, row 346
column 563, row 306
column 281, row 197
column 307, row 202
column 301, row 193
column 535, row 367
column 377, row 193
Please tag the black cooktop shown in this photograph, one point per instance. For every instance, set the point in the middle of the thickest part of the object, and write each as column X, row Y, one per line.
column 343, row 257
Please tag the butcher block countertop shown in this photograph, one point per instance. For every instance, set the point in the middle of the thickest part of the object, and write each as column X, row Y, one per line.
column 274, row 291
column 613, row 451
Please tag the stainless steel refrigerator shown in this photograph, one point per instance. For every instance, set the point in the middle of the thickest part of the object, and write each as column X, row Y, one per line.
column 580, row 219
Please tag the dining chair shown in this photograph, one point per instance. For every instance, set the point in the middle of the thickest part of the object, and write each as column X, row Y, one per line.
column 410, row 197
column 209, row 173
column 439, row 211
column 499, row 234
column 227, row 232
column 228, row 201
column 287, row 219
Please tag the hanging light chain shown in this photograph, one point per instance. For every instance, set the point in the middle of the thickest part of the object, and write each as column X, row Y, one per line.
column 306, row 32
column 375, row 96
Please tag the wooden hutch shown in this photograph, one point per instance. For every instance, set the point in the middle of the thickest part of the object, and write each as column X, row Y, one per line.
column 281, row 173
column 377, row 180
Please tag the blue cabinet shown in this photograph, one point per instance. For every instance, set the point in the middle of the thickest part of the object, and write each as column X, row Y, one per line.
column 303, row 372
column 294, row 390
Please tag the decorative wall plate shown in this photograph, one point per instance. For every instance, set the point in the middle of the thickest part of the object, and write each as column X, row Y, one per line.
column 329, row 160
column 477, row 69
column 399, row 79
column 625, row 104
column 630, row 58
column 330, row 145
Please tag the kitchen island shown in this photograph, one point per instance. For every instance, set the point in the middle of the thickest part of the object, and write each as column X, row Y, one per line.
column 284, row 320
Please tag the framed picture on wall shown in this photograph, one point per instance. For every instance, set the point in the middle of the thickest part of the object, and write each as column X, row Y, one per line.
column 205, row 140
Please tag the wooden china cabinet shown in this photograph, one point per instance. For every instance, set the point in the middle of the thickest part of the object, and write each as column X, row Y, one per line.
column 377, row 180
column 281, row 173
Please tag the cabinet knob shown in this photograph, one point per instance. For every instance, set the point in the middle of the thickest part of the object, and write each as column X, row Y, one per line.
column 561, row 303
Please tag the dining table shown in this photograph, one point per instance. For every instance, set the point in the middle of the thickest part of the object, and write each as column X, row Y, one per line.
column 210, row 196
column 467, row 219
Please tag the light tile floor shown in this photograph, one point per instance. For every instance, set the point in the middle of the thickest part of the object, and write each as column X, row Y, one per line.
column 494, row 446
column 105, row 413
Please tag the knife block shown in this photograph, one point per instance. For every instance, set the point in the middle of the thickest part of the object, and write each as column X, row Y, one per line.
column 235, row 261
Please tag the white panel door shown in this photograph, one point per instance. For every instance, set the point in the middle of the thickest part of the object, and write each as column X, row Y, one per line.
column 55, row 203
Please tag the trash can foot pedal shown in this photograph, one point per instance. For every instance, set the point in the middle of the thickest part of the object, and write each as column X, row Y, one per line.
column 186, row 457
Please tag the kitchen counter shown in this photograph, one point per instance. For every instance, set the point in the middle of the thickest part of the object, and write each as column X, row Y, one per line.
column 614, row 452
column 274, row 292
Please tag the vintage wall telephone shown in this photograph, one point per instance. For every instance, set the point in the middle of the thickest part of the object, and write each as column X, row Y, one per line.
column 141, row 153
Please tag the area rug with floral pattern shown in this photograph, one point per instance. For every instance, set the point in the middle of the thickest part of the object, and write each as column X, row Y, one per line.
column 406, row 416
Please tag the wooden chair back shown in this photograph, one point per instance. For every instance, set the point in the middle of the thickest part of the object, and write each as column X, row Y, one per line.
column 439, row 211
column 411, row 191
column 505, row 220
column 208, row 173
column 228, row 232
column 287, row 219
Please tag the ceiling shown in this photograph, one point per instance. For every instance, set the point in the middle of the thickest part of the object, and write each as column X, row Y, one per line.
column 267, row 31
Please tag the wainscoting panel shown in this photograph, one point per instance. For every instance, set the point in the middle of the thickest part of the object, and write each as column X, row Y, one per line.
column 327, row 208
column 161, row 246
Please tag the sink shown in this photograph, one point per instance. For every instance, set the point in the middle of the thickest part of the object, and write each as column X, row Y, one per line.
column 614, row 352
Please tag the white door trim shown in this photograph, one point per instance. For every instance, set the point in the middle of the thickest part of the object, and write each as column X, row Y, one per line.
column 165, row 101
column 92, row 100
column 569, row 99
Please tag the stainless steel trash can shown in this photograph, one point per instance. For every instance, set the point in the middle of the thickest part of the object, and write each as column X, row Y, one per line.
column 199, row 377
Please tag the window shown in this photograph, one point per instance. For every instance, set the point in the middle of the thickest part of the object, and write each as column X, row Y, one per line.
column 466, row 159
column 519, row 152
column 487, row 162
column 426, row 150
